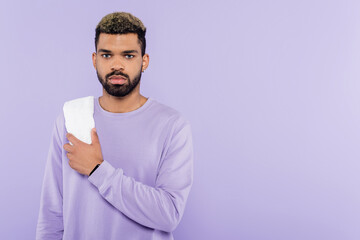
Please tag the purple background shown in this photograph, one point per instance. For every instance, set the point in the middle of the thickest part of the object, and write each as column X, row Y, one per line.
column 272, row 89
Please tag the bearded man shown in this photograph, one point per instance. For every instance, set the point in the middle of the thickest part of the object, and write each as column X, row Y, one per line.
column 131, row 180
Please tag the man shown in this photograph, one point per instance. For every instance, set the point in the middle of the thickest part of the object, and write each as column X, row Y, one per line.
column 133, row 180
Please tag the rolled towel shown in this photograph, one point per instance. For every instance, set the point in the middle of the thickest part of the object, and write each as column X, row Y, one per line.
column 79, row 117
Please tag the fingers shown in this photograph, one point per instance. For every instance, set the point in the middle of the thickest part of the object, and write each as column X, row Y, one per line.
column 69, row 156
column 72, row 138
column 68, row 147
column 94, row 136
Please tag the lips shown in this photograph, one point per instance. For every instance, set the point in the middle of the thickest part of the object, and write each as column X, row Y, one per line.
column 117, row 79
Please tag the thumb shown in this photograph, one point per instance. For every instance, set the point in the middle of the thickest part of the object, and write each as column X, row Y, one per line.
column 94, row 136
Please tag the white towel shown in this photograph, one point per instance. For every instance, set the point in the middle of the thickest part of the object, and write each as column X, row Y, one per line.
column 79, row 117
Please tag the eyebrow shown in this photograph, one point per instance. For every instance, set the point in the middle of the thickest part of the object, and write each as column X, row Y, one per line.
column 130, row 51
column 124, row 52
column 104, row 50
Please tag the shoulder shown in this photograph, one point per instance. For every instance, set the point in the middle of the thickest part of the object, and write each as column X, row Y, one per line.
column 79, row 104
column 168, row 115
column 59, row 126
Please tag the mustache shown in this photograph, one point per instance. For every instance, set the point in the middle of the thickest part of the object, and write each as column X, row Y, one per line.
column 117, row 73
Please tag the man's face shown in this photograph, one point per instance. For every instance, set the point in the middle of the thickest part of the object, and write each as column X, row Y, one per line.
column 118, row 63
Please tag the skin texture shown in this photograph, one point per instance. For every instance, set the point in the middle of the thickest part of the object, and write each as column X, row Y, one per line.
column 84, row 157
column 118, row 60
column 119, row 54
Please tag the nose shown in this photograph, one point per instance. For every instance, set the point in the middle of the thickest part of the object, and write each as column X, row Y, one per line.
column 117, row 65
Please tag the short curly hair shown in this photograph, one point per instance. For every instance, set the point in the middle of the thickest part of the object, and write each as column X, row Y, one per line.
column 121, row 23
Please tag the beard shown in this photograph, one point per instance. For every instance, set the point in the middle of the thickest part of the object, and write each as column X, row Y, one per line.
column 119, row 90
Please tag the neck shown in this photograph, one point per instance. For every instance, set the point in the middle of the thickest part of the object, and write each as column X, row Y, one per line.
column 125, row 104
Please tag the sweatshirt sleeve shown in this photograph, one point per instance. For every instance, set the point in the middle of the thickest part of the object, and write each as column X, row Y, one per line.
column 50, row 220
column 160, row 207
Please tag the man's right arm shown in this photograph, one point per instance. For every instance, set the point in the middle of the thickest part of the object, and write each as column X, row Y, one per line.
column 50, row 221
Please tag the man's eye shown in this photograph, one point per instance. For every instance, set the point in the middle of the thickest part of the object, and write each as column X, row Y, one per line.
column 106, row 55
column 129, row 56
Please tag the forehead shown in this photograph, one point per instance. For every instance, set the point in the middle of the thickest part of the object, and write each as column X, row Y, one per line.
column 118, row 42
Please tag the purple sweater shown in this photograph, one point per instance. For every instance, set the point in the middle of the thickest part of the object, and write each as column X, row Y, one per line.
column 138, row 192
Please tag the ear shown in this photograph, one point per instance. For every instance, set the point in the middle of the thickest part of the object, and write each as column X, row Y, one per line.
column 145, row 61
column 94, row 59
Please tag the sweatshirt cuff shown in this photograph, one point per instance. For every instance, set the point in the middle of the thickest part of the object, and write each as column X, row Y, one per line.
column 103, row 172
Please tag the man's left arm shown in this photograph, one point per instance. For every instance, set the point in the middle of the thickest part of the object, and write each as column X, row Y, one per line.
column 160, row 207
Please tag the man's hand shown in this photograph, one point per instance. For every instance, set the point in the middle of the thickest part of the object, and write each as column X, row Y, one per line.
column 84, row 157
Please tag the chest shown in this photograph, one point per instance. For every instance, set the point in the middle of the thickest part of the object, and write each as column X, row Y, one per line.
column 136, row 147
